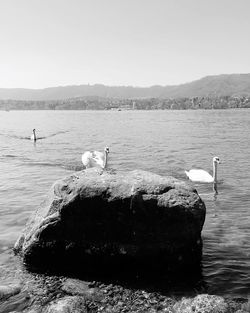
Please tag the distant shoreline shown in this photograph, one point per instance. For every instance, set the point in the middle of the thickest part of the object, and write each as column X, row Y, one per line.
column 114, row 104
column 100, row 110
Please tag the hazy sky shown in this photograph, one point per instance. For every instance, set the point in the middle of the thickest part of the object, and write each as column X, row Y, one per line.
column 121, row 42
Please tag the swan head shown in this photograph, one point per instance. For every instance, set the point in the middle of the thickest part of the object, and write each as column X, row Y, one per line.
column 216, row 160
column 106, row 149
column 34, row 130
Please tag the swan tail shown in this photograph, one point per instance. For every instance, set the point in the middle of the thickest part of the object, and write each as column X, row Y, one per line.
column 86, row 158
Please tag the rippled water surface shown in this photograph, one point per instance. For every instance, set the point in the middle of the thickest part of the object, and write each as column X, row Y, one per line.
column 164, row 142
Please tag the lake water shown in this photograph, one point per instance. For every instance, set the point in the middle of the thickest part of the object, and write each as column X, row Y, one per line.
column 164, row 142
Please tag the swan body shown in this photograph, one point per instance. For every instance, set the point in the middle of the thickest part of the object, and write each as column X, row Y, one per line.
column 33, row 136
column 199, row 175
column 95, row 158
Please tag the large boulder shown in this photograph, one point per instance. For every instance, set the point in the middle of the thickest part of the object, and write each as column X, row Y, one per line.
column 95, row 221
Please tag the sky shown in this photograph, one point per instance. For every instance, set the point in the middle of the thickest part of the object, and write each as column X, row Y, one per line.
column 46, row 43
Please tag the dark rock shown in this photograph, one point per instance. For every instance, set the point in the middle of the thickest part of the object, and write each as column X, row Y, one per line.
column 98, row 221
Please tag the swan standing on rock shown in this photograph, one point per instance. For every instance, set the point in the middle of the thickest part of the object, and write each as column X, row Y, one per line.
column 202, row 176
column 33, row 136
column 95, row 158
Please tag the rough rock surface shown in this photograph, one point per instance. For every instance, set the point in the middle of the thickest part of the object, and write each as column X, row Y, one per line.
column 98, row 220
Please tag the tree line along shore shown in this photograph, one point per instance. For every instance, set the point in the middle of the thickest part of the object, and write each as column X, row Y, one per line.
column 99, row 103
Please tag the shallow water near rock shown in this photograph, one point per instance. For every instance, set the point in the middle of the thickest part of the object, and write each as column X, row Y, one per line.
column 164, row 142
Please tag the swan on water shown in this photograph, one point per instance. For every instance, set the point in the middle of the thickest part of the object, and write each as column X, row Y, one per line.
column 33, row 136
column 95, row 158
column 197, row 175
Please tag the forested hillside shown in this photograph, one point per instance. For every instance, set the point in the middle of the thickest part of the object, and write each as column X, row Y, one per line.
column 211, row 86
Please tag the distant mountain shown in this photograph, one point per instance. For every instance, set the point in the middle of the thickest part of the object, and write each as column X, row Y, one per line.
column 220, row 85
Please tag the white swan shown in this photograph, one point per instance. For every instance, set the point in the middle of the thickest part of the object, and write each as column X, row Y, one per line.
column 33, row 136
column 95, row 158
column 203, row 176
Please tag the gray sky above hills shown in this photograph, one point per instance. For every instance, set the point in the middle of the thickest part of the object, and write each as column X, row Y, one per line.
column 121, row 42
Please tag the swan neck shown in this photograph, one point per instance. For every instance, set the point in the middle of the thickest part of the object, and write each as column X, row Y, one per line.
column 215, row 171
column 105, row 159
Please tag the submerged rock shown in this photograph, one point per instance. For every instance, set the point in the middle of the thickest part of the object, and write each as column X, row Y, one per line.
column 15, row 303
column 7, row 291
column 95, row 221
column 67, row 305
column 81, row 288
column 203, row 303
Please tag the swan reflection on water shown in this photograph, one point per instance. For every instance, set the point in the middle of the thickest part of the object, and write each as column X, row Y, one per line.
column 212, row 194
column 215, row 189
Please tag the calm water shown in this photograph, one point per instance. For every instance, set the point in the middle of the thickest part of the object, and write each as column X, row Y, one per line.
column 164, row 142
